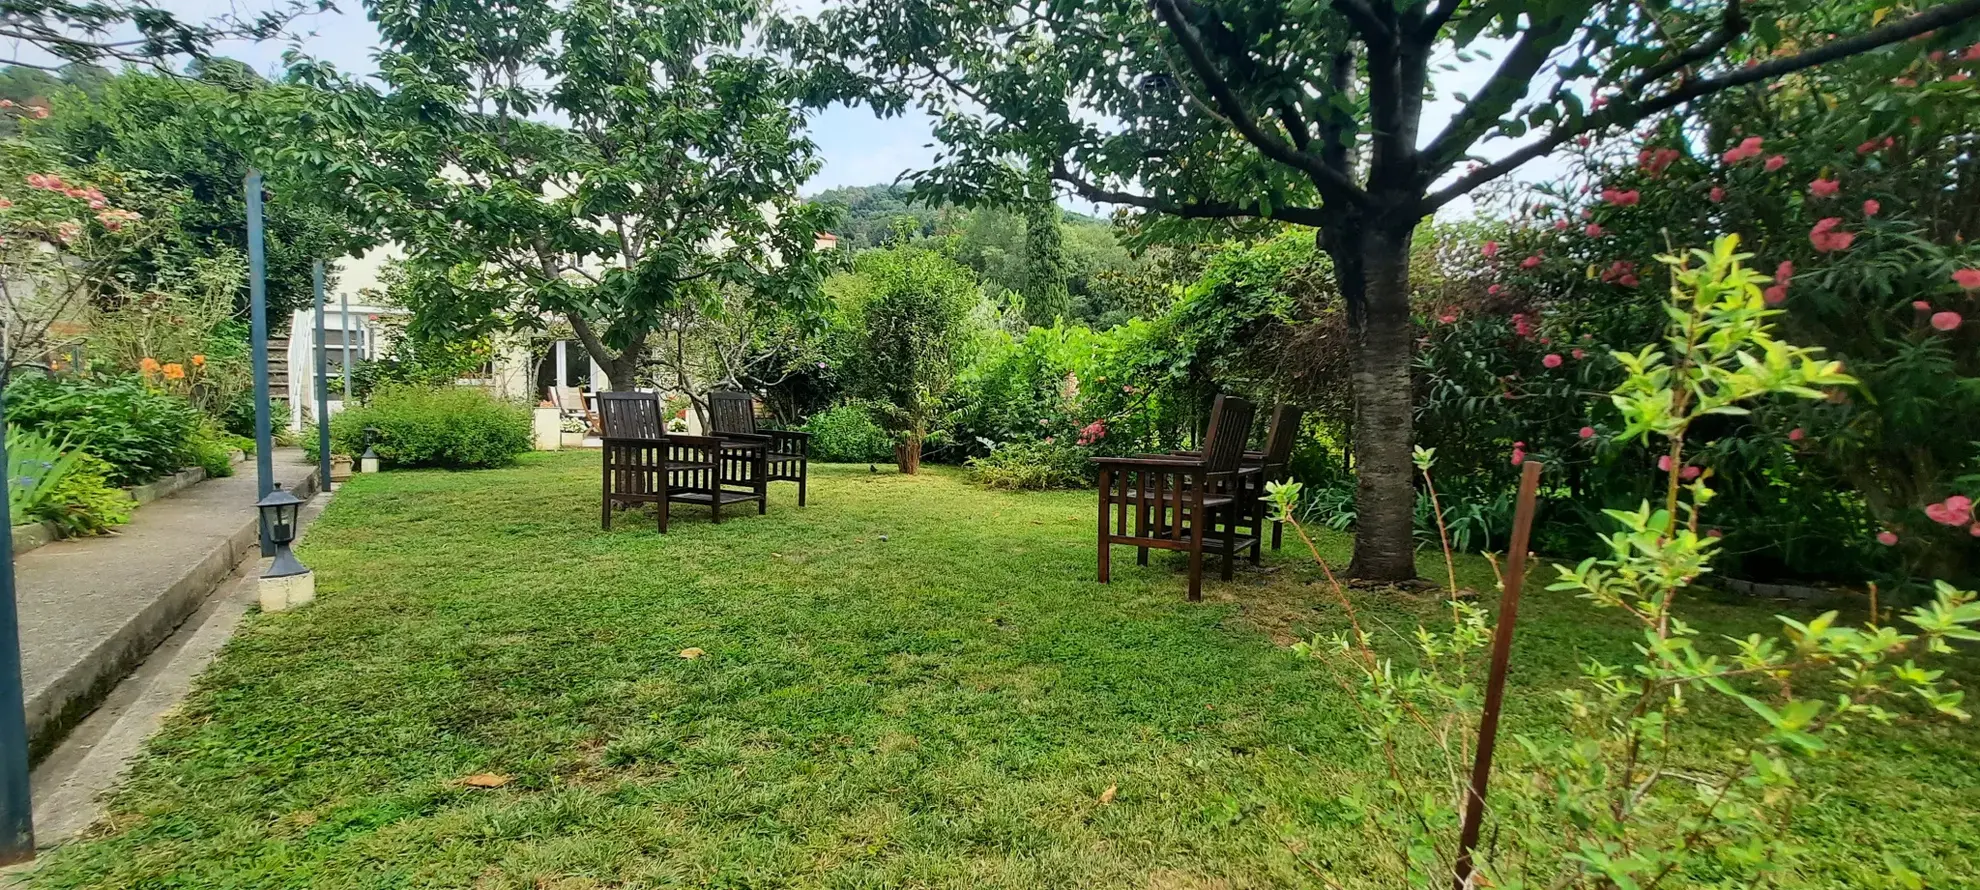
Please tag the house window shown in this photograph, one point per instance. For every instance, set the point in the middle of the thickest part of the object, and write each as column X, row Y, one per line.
column 333, row 349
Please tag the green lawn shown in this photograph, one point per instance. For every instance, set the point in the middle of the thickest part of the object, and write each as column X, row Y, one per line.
column 909, row 683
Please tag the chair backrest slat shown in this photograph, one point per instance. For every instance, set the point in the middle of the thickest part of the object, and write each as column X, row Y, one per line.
column 1285, row 430
column 1230, row 430
column 630, row 415
column 732, row 412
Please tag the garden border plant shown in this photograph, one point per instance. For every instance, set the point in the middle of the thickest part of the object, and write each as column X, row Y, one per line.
column 1620, row 800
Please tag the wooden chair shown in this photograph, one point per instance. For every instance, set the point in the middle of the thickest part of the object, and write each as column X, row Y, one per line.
column 1273, row 464
column 645, row 465
column 787, row 456
column 1175, row 502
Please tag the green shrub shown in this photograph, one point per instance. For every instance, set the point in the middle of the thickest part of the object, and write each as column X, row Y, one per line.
column 848, row 434
column 212, row 451
column 36, row 465
column 1031, row 466
column 139, row 432
column 85, row 502
column 452, row 427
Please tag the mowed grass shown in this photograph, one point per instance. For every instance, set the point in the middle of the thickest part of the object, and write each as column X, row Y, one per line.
column 909, row 683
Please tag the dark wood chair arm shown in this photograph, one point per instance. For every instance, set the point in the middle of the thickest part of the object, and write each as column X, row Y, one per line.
column 702, row 441
column 743, row 438
column 1249, row 455
column 1150, row 460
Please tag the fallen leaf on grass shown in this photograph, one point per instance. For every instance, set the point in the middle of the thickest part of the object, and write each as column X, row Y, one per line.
column 1107, row 796
column 692, row 652
column 486, row 780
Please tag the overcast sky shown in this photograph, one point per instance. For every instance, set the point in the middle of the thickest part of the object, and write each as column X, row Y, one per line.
column 857, row 148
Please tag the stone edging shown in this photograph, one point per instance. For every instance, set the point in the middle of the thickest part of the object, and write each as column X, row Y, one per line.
column 30, row 535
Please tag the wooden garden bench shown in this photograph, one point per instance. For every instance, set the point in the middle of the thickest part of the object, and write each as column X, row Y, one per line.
column 1273, row 464
column 787, row 453
column 1192, row 504
column 644, row 464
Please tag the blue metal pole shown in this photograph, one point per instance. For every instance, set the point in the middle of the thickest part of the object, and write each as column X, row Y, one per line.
column 16, row 803
column 322, row 386
column 344, row 313
column 264, row 439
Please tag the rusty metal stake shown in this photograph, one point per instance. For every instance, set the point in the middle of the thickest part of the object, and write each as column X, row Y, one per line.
column 1495, row 684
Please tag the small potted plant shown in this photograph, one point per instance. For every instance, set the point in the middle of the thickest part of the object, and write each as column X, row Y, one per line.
column 573, row 430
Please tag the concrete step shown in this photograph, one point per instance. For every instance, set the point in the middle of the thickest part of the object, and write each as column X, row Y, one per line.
column 91, row 609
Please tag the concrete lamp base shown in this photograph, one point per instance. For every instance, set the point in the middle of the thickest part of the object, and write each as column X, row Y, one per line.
column 284, row 592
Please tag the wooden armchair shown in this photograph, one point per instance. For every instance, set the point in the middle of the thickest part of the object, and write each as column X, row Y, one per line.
column 787, row 453
column 1177, row 502
column 1273, row 464
column 645, row 465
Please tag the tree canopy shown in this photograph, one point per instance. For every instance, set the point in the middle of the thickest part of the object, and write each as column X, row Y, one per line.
column 605, row 161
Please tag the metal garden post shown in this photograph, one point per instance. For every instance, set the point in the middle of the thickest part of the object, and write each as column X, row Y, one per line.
column 1495, row 682
column 264, row 439
column 344, row 324
column 322, row 385
column 16, row 802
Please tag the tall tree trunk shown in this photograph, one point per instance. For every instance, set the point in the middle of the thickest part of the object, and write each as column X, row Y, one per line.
column 1372, row 262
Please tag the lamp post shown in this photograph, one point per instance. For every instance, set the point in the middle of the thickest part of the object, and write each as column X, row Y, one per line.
column 264, row 439
column 16, row 803
column 286, row 583
column 322, row 385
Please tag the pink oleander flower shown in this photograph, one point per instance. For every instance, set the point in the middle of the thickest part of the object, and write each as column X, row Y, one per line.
column 1958, row 77
column 1622, row 198
column 1747, row 149
column 1447, row 318
column 1967, row 278
column 1530, row 262
column 1921, row 305
column 1824, row 187
column 1867, row 147
column 1775, row 163
column 1688, row 473
column 1888, row 539
column 4, row 203
column 1587, row 432
column 1954, row 511
column 1579, row 353
column 1583, row 141
column 67, row 232
column 1783, row 272
column 1775, row 295
column 1664, row 463
column 1522, row 325
column 1716, row 195
column 1870, row 207
column 1494, row 290
column 1093, row 432
column 1904, row 82
column 1518, row 453
column 1827, row 238
column 1491, row 249
column 1628, row 280
column 1560, row 225
column 1593, row 230
column 1552, row 360
column 1945, row 321
column 1796, row 434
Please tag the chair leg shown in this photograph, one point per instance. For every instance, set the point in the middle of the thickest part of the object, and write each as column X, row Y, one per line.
column 1230, row 539
column 665, row 506
column 1106, row 484
column 762, row 487
column 1196, row 535
column 1277, row 527
column 605, row 512
column 804, row 473
column 1257, row 530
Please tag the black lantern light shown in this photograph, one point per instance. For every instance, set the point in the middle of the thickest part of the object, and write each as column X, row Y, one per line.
column 368, row 462
column 280, row 511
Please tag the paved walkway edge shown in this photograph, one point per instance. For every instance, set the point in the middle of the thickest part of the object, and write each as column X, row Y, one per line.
column 71, row 696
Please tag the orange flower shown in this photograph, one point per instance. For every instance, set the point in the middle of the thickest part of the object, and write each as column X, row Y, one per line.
column 148, row 364
column 175, row 371
column 199, row 361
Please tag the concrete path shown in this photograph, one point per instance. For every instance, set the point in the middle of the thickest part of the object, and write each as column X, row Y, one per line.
column 92, row 609
column 70, row 784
